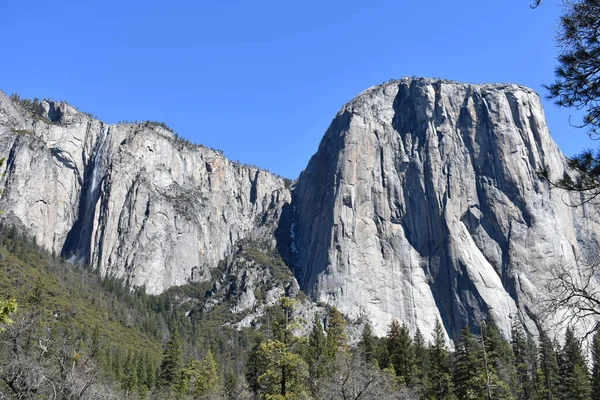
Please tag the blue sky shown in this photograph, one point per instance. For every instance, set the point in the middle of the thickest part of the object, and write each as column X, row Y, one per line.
column 262, row 79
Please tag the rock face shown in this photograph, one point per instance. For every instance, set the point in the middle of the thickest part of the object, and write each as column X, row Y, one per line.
column 130, row 199
column 423, row 202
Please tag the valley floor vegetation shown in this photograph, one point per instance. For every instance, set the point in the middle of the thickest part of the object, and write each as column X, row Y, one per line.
column 71, row 333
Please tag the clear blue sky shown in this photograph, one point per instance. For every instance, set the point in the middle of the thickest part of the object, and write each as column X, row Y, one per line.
column 261, row 79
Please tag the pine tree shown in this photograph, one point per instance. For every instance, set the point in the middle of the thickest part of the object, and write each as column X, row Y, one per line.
column 336, row 332
column 469, row 369
column 577, row 82
column 539, row 389
column 401, row 351
column 107, row 360
column 254, row 368
column 367, row 344
column 316, row 357
column 230, row 385
column 382, row 356
column 596, row 366
column 574, row 374
column 284, row 374
column 498, row 350
column 420, row 377
column 500, row 358
column 390, row 371
column 524, row 367
column 440, row 378
column 96, row 345
column 150, row 373
column 548, row 366
column 498, row 363
column 278, row 371
column 188, row 375
column 531, row 358
column 172, row 363
column 207, row 380
column 142, row 374
column 130, row 383
column 117, row 366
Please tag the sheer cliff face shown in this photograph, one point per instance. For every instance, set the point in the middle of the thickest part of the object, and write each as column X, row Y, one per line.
column 423, row 202
column 129, row 199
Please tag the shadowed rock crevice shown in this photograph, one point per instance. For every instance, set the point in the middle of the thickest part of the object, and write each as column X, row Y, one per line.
column 55, row 113
column 314, row 196
column 78, row 242
column 285, row 235
column 253, row 188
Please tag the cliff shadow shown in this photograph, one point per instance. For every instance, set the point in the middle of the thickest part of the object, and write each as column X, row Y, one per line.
column 284, row 236
column 313, row 206
column 77, row 245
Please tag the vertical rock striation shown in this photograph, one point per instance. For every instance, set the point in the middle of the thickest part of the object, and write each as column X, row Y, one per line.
column 130, row 199
column 423, row 202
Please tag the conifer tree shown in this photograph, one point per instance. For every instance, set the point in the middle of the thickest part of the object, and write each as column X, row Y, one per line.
column 188, row 376
column 534, row 370
column 401, row 351
column 230, row 385
column 316, row 357
column 596, row 366
column 382, row 356
column 254, row 368
column 140, row 369
column 440, row 378
column 142, row 374
column 172, row 363
column 390, row 371
column 498, row 350
column 117, row 367
column 469, row 370
column 207, row 380
column 574, row 374
column 285, row 373
column 150, row 366
column 421, row 364
column 336, row 332
column 130, row 383
column 367, row 344
column 502, row 375
column 498, row 363
column 577, row 82
column 548, row 366
column 524, row 368
column 539, row 386
column 107, row 360
column 279, row 370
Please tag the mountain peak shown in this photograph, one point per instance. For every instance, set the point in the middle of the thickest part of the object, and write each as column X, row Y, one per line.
column 423, row 203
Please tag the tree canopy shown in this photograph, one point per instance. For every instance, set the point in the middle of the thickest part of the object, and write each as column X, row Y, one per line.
column 577, row 85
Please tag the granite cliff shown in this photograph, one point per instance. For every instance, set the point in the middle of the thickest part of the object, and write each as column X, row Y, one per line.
column 130, row 199
column 423, row 202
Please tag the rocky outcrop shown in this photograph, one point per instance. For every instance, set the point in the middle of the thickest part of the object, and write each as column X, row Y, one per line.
column 423, row 202
column 130, row 199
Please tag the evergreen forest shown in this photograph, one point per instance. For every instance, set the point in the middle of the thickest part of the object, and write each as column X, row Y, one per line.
column 71, row 333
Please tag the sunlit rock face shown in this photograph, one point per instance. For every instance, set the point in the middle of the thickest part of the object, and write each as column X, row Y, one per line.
column 423, row 202
column 129, row 199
